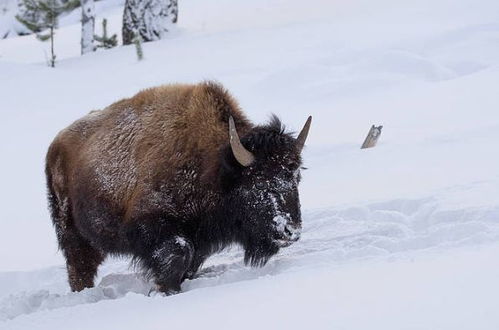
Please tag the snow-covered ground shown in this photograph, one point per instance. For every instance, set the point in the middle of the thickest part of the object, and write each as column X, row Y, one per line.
column 401, row 236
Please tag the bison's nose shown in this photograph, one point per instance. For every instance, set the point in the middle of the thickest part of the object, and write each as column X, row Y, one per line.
column 292, row 232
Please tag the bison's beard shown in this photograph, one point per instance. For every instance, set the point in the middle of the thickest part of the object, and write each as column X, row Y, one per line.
column 257, row 254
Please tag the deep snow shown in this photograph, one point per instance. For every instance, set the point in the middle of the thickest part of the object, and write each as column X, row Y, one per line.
column 449, row 290
column 404, row 235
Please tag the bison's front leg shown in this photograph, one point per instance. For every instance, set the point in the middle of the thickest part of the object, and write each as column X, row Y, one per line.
column 169, row 261
column 197, row 261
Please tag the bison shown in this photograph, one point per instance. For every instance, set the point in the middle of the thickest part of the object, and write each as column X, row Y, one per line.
column 164, row 177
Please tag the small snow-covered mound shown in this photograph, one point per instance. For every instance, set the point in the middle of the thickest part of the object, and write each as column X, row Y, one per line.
column 112, row 286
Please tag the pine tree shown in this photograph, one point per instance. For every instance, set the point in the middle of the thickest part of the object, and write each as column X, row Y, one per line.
column 105, row 41
column 149, row 19
column 29, row 15
column 87, row 26
column 44, row 16
column 30, row 12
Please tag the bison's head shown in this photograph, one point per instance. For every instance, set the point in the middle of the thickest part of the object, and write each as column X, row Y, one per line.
column 262, row 173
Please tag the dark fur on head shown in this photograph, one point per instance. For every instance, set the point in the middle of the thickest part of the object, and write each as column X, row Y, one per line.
column 276, row 159
column 264, row 141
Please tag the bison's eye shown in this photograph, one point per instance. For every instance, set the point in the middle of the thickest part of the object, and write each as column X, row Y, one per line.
column 261, row 185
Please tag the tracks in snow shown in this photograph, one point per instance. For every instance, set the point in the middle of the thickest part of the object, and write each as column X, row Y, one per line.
column 331, row 236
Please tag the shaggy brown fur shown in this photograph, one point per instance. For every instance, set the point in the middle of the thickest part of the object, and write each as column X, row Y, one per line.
column 188, row 122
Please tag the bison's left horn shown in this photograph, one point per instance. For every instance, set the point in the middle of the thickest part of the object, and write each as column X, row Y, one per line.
column 300, row 140
column 243, row 156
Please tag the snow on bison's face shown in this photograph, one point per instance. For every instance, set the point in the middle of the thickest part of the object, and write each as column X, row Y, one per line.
column 265, row 193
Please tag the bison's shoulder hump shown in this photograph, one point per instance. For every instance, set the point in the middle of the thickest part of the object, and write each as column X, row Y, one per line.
column 214, row 99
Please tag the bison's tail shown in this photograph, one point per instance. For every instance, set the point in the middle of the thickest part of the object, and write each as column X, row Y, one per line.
column 58, row 201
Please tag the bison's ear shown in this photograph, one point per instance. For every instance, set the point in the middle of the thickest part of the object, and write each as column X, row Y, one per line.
column 230, row 170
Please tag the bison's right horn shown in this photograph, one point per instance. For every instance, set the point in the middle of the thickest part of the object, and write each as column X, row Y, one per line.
column 243, row 156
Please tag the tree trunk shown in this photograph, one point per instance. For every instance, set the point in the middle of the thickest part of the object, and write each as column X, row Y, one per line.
column 87, row 26
column 149, row 19
column 52, row 54
column 173, row 10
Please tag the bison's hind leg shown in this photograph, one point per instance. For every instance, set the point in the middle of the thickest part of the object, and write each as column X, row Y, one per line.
column 82, row 260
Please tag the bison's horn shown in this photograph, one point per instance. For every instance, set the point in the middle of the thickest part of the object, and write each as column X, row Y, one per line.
column 243, row 156
column 300, row 140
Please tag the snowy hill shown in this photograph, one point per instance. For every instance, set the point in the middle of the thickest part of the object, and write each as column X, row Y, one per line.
column 401, row 236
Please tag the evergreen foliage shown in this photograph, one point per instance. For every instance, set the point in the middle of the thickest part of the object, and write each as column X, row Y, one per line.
column 150, row 19
column 42, row 15
column 31, row 13
column 105, row 41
